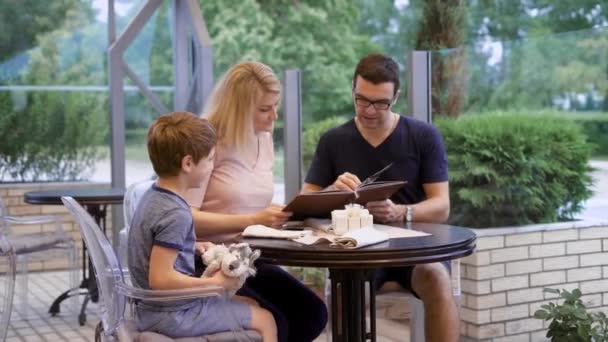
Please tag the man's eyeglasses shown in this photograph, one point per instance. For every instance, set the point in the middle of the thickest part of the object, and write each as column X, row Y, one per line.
column 380, row 104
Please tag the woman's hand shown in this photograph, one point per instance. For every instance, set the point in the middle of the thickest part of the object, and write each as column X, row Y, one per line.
column 273, row 216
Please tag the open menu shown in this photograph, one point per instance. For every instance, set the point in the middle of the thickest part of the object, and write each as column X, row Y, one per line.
column 321, row 203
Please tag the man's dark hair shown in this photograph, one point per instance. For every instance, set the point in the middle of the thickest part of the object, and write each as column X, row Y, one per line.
column 378, row 68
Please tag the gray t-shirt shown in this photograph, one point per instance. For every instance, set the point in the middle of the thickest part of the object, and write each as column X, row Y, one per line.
column 162, row 218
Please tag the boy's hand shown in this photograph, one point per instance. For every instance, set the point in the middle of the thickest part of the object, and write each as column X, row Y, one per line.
column 228, row 283
column 201, row 247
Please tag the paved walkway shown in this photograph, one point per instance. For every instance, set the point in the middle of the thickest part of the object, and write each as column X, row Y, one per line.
column 597, row 206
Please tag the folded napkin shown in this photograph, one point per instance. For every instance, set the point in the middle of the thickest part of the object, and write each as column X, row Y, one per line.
column 261, row 231
column 323, row 225
column 360, row 238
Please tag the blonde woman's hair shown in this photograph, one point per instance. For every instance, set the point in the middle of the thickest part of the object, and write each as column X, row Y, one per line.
column 231, row 104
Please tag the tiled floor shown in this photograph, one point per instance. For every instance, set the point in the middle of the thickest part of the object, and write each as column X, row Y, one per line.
column 40, row 326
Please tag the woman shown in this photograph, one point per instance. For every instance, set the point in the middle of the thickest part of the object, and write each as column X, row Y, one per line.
column 239, row 190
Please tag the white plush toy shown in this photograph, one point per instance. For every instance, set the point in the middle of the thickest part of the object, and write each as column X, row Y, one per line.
column 234, row 261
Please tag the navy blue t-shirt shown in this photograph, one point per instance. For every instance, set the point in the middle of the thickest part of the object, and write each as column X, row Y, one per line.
column 415, row 147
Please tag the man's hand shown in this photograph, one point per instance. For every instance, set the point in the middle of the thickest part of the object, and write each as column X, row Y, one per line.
column 273, row 216
column 386, row 211
column 346, row 181
column 201, row 247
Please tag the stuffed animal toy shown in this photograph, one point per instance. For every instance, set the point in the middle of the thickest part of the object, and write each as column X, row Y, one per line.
column 234, row 261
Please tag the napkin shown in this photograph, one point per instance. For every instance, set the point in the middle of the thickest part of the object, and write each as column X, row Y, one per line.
column 360, row 238
column 323, row 225
column 261, row 231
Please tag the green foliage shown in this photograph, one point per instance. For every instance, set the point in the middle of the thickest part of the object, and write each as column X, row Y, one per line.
column 312, row 134
column 22, row 21
column 595, row 127
column 51, row 135
column 570, row 321
column 317, row 37
column 53, row 138
column 310, row 275
column 514, row 169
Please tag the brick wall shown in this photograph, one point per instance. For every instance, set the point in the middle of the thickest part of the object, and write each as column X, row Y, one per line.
column 12, row 194
column 502, row 283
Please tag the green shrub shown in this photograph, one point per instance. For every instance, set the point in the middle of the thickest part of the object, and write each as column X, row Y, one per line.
column 49, row 136
column 509, row 169
column 312, row 134
column 595, row 127
column 570, row 321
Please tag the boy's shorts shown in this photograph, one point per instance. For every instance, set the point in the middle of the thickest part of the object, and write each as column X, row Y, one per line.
column 205, row 316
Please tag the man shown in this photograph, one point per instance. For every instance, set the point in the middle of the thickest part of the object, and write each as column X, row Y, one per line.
column 375, row 138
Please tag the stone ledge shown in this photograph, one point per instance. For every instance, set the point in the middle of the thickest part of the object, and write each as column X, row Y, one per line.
column 587, row 223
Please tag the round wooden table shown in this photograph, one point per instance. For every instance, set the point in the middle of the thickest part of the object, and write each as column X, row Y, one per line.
column 96, row 201
column 350, row 269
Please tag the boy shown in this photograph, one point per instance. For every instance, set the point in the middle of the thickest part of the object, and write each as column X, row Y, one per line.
column 162, row 239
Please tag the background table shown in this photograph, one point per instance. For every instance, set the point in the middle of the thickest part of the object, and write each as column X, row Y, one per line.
column 96, row 201
column 350, row 269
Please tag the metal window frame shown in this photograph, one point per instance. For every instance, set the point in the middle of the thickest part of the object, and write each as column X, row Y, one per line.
column 193, row 71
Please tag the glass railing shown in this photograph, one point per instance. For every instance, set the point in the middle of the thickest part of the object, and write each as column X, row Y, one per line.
column 531, row 141
column 53, row 99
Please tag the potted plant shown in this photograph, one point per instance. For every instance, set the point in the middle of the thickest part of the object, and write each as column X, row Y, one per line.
column 570, row 321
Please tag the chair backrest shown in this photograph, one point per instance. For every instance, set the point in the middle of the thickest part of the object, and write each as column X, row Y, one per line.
column 106, row 266
column 4, row 226
column 132, row 197
column 6, row 250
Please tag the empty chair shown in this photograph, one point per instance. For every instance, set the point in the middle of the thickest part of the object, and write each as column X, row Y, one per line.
column 114, row 292
column 8, row 285
column 40, row 246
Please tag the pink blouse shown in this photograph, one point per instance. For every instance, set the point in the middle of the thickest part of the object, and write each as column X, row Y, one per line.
column 240, row 182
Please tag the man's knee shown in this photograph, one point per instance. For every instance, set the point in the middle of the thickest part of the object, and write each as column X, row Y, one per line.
column 431, row 281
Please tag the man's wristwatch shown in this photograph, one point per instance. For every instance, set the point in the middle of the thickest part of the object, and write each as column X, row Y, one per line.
column 409, row 210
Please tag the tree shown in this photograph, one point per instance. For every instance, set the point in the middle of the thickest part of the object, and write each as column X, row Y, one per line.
column 56, row 135
column 317, row 37
column 22, row 21
column 443, row 27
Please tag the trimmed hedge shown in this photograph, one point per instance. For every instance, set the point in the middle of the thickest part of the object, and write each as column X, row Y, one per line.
column 509, row 169
column 48, row 136
column 312, row 134
column 595, row 127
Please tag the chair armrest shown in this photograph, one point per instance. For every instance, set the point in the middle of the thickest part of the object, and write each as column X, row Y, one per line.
column 170, row 295
column 39, row 219
column 31, row 219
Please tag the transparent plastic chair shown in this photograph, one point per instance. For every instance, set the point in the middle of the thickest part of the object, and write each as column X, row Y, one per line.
column 114, row 292
column 8, row 285
column 39, row 246
column 132, row 197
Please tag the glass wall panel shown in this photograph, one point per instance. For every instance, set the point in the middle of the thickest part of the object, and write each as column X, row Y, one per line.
column 150, row 58
column 531, row 112
column 53, row 94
